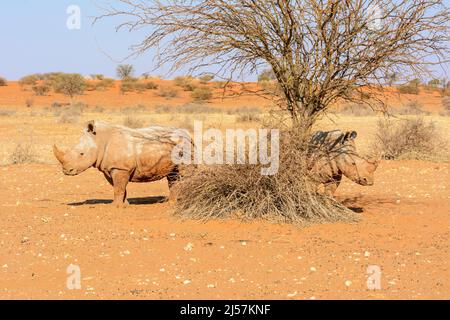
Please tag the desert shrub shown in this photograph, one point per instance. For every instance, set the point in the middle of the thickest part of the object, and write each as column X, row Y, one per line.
column 191, row 108
column 168, row 92
column 408, row 89
column 356, row 110
column 7, row 112
column 98, row 109
column 70, row 114
column 243, row 110
column 132, row 110
column 270, row 87
column 127, row 86
column 185, row 82
column 98, row 77
column 41, row 89
column 204, row 79
column 150, row 85
column 202, row 94
column 240, row 191
column 446, row 103
column 23, row 153
column 68, row 84
column 220, row 84
column 104, row 84
column 445, row 92
column 266, row 75
column 3, row 82
column 133, row 122
column 29, row 80
column 29, row 102
column 248, row 117
column 125, row 71
column 407, row 139
column 412, row 108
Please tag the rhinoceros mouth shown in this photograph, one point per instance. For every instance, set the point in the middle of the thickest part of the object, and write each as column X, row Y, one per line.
column 70, row 172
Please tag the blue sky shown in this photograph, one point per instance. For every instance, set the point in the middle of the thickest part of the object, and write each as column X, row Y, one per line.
column 34, row 39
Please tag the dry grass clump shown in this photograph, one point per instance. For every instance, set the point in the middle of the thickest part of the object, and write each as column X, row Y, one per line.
column 133, row 122
column 168, row 92
column 446, row 105
column 408, row 139
column 412, row 108
column 248, row 117
column 23, row 153
column 70, row 114
column 409, row 89
column 190, row 108
column 7, row 112
column 202, row 94
column 140, row 108
column 240, row 191
column 356, row 110
column 185, row 82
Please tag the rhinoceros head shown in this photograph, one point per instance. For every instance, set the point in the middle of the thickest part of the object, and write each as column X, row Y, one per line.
column 351, row 164
column 83, row 156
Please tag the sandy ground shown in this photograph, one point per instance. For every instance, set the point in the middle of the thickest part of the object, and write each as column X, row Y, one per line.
column 50, row 221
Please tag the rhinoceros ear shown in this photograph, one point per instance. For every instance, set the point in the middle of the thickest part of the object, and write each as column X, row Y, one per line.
column 353, row 135
column 350, row 135
column 90, row 128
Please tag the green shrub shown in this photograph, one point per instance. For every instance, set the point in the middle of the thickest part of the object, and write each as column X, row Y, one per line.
column 30, row 80
column 68, row 84
column 41, row 89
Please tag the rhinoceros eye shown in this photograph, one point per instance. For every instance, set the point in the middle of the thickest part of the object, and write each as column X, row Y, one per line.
column 82, row 154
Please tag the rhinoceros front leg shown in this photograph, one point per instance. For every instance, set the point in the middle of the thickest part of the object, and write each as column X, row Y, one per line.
column 330, row 188
column 120, row 181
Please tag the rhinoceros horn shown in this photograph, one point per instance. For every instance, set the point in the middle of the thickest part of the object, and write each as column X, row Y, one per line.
column 58, row 154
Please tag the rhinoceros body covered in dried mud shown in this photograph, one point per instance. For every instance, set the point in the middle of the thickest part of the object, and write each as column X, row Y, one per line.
column 124, row 155
column 334, row 155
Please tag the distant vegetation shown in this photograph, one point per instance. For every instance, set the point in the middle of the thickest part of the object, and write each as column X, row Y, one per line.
column 125, row 71
column 70, row 85
column 3, row 82
column 408, row 139
column 202, row 94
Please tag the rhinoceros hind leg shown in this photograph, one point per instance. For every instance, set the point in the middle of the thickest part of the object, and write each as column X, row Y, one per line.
column 120, row 180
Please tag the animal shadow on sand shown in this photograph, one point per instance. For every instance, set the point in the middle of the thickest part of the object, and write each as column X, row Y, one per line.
column 359, row 204
column 132, row 201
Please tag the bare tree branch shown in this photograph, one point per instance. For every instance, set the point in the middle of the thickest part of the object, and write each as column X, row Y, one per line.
column 319, row 50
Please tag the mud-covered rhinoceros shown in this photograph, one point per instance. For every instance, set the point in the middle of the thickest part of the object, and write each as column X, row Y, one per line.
column 334, row 154
column 124, row 155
